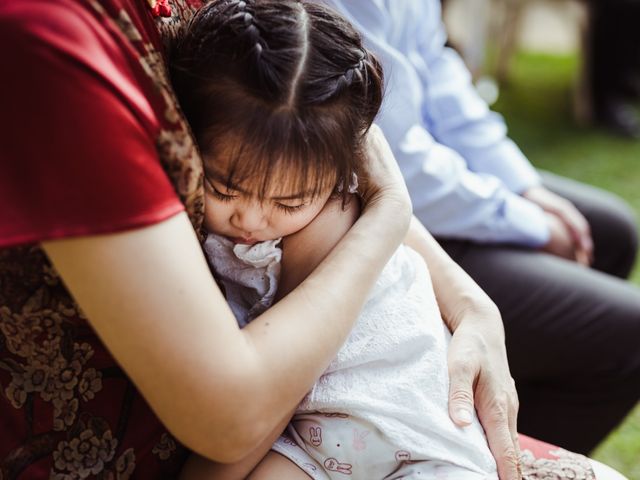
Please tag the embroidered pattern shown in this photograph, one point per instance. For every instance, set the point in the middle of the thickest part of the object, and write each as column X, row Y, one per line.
column 561, row 466
column 52, row 367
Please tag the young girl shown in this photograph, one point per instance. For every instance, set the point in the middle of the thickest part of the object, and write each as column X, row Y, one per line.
column 280, row 94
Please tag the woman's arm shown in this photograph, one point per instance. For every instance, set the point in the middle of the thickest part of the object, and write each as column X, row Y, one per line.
column 201, row 468
column 478, row 367
column 302, row 253
column 149, row 295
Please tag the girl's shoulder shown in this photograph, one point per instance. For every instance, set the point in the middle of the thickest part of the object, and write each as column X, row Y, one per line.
column 305, row 249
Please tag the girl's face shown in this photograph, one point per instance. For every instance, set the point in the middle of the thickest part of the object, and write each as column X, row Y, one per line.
column 239, row 215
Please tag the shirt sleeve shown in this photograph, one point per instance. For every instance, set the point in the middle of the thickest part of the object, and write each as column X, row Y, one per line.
column 77, row 150
column 458, row 118
column 454, row 196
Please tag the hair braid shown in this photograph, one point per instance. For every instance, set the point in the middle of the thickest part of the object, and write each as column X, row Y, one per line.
column 284, row 82
column 354, row 73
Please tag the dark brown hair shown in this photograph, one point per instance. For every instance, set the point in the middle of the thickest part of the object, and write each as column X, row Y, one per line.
column 279, row 84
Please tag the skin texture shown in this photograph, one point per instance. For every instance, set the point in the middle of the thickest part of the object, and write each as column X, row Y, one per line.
column 304, row 250
column 478, row 368
column 570, row 235
column 238, row 214
column 477, row 358
column 136, row 287
column 134, row 293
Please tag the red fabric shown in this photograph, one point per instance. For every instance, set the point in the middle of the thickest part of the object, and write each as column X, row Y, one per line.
column 77, row 151
column 80, row 121
column 543, row 461
column 81, row 118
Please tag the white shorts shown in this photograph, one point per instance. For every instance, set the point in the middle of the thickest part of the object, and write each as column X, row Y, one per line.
column 331, row 446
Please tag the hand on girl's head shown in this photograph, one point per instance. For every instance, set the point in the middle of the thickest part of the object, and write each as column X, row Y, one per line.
column 289, row 90
column 381, row 174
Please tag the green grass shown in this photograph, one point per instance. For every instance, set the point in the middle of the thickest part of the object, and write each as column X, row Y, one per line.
column 537, row 105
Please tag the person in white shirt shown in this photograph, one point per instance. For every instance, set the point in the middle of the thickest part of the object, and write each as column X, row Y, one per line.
column 552, row 253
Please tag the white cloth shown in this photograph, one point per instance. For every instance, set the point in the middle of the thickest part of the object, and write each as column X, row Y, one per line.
column 248, row 274
column 392, row 370
column 339, row 445
column 463, row 173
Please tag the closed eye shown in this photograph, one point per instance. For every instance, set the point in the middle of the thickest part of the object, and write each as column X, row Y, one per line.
column 225, row 197
column 290, row 208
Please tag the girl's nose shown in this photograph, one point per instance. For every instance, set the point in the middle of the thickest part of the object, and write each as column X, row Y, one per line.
column 249, row 218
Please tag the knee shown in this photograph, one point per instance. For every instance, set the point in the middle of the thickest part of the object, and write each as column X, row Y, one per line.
column 627, row 229
column 618, row 238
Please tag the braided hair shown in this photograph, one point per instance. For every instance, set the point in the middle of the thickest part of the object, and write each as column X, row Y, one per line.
column 284, row 83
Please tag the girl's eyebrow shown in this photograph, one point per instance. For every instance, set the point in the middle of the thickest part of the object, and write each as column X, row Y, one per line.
column 295, row 196
column 223, row 179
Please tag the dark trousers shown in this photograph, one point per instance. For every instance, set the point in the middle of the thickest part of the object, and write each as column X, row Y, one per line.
column 572, row 333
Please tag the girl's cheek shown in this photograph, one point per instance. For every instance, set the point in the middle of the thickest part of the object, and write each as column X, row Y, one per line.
column 213, row 211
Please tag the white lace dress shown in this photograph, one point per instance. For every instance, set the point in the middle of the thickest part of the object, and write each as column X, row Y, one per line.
column 390, row 377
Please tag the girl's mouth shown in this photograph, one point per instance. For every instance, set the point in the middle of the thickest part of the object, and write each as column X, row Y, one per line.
column 243, row 240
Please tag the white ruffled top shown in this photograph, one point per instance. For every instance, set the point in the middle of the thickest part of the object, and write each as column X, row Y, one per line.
column 391, row 371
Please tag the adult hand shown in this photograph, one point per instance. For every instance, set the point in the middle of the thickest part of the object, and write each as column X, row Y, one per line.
column 479, row 373
column 477, row 358
column 576, row 228
column 381, row 178
column 561, row 242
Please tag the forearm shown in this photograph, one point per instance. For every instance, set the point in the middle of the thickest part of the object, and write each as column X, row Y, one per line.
column 220, row 390
column 327, row 271
column 201, row 468
column 303, row 332
column 477, row 361
column 150, row 297
column 459, row 296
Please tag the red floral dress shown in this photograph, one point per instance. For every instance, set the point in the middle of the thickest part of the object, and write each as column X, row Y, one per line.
column 91, row 141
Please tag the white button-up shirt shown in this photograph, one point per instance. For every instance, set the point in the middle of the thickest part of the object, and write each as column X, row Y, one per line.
column 463, row 173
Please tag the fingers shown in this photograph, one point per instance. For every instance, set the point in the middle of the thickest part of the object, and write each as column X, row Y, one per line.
column 575, row 223
column 582, row 257
column 514, row 405
column 580, row 231
column 567, row 242
column 461, row 381
column 502, row 445
column 382, row 172
column 496, row 400
column 560, row 242
column 498, row 416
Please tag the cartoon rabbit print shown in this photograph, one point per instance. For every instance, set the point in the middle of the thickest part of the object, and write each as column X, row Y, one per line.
column 358, row 439
column 333, row 465
column 315, row 436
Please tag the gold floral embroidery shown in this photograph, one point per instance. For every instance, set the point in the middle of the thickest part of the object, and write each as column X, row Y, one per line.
column 37, row 336
column 155, row 67
column 566, row 465
column 176, row 147
column 85, row 453
column 90, row 384
column 165, row 447
column 125, row 465
column 127, row 27
column 182, row 11
column 182, row 162
column 43, row 352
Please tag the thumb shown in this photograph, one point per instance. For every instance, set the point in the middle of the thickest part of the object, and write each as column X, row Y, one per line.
column 461, row 396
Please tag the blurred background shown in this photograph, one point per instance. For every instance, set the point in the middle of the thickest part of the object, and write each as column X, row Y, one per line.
column 562, row 74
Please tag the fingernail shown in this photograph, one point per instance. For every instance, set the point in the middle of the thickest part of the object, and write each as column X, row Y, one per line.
column 464, row 415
